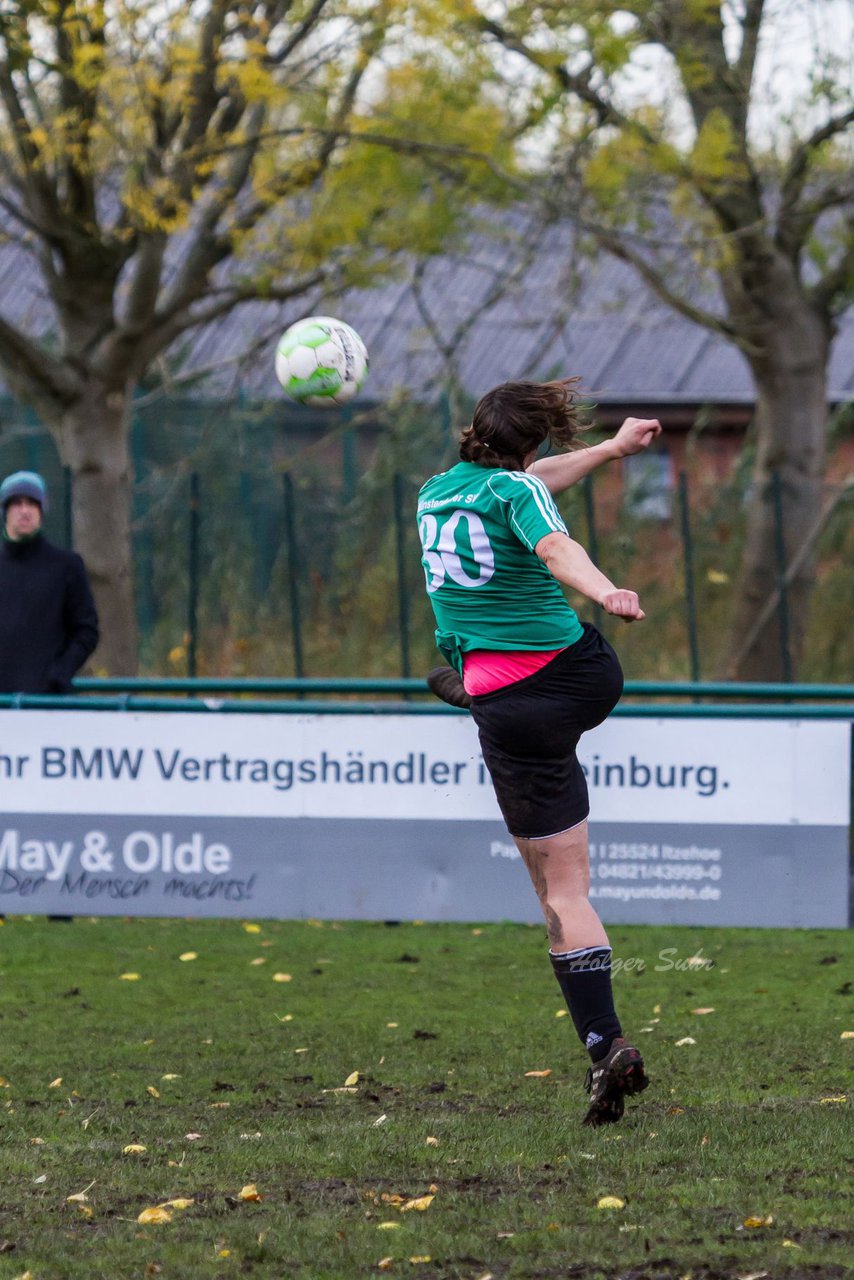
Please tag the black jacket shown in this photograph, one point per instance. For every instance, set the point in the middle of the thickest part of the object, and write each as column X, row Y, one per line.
column 48, row 623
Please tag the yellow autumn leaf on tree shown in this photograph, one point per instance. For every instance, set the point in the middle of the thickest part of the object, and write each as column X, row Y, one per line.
column 249, row 1192
column 155, row 1215
column 610, row 1202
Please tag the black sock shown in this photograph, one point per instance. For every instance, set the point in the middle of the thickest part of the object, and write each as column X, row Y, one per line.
column 585, row 980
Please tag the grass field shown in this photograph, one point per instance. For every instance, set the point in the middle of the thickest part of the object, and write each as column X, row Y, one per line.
column 203, row 1076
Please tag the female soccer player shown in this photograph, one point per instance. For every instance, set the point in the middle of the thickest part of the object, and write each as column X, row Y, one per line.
column 495, row 551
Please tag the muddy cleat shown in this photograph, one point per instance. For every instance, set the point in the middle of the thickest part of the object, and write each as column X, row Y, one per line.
column 619, row 1073
column 447, row 685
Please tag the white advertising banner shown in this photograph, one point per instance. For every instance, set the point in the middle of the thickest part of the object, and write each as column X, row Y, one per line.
column 692, row 820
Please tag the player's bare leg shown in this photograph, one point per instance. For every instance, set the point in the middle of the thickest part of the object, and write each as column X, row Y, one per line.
column 559, row 867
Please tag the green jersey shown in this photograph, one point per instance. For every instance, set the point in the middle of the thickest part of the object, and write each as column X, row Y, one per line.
column 489, row 590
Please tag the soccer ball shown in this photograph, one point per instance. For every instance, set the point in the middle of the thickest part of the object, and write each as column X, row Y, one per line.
column 321, row 361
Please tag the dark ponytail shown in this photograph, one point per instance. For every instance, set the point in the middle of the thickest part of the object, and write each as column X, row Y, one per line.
column 513, row 420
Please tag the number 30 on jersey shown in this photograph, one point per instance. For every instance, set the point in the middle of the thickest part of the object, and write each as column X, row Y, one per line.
column 446, row 556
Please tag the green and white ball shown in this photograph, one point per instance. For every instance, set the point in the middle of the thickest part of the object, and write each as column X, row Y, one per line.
column 321, row 361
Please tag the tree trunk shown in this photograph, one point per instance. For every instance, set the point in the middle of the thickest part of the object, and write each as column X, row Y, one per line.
column 785, row 499
column 93, row 439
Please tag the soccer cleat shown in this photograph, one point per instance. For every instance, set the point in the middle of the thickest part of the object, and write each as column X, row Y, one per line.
column 447, row 685
column 619, row 1073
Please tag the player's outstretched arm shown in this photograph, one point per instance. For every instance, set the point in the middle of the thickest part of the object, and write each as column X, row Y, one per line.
column 571, row 564
column 563, row 470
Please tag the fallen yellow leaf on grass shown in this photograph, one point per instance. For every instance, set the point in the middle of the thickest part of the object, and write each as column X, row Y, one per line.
column 192, row 1137
column 36, row 1142
column 155, row 1093
column 282, row 977
column 760, row 1222
column 844, row 1035
column 54, row 1084
column 610, row 1202
column 385, row 1264
column 189, row 955
column 154, row 1216
column 540, row 1074
column 80, row 1197
column 129, row 977
column 702, row 1010
column 252, row 928
column 171, row 1075
column 790, row 1244
column 224, row 1253
column 842, row 1098
column 259, row 960
column 86, row 1210
column 353, row 1078
column 685, row 1040
column 419, row 1202
column 431, row 1142
column 420, row 1257
column 133, row 1149
column 289, row 1017
column 249, row 1192
column 387, row 1226
column 562, row 1013
column 183, row 1202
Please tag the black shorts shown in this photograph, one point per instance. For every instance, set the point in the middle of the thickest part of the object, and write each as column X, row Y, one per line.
column 529, row 731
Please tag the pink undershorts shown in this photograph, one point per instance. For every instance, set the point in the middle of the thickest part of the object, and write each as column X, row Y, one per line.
column 485, row 670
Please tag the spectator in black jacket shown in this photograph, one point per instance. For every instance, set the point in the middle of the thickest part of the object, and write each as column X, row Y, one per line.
column 48, row 622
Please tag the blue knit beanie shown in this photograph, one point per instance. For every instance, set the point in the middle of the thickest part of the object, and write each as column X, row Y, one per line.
column 23, row 484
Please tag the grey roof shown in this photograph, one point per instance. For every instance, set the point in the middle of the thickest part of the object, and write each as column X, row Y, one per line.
column 508, row 307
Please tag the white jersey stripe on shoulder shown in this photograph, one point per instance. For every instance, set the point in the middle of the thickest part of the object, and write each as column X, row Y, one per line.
column 543, row 499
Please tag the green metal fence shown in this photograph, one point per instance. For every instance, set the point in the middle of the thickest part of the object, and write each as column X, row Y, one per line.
column 271, row 543
column 412, row 697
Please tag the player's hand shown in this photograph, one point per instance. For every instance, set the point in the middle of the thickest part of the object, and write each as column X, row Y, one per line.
column 635, row 435
column 623, row 604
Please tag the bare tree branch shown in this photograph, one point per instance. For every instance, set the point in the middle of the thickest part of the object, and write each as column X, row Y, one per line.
column 793, row 226
column 30, row 367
